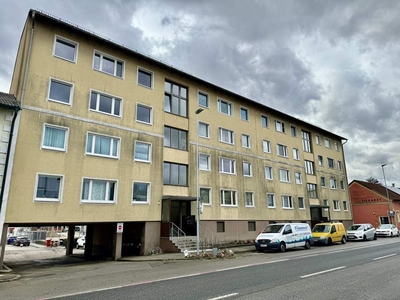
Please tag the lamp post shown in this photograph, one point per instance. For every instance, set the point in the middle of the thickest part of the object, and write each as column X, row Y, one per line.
column 387, row 192
column 197, row 183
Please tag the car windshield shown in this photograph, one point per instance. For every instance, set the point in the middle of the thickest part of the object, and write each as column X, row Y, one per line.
column 355, row 227
column 272, row 229
column 384, row 226
column 321, row 228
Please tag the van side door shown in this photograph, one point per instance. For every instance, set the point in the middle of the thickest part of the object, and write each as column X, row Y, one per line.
column 288, row 236
column 334, row 234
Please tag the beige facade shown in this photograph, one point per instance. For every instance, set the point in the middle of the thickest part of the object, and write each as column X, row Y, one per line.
column 83, row 130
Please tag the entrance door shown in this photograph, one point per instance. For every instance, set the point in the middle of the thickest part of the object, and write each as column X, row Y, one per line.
column 181, row 216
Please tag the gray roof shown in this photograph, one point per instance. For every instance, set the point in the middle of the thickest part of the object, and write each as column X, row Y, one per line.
column 8, row 100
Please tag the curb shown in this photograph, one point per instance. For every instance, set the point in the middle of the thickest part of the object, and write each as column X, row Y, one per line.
column 10, row 278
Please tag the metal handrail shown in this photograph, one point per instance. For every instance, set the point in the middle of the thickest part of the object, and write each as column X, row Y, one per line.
column 176, row 232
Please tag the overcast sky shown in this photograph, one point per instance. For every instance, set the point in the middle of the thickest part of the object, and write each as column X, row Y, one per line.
column 334, row 64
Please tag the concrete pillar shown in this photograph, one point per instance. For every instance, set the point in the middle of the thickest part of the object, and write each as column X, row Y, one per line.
column 3, row 242
column 89, row 241
column 70, row 240
column 117, row 247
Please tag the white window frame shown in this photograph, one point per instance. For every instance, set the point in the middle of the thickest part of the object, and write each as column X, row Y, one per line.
column 290, row 202
column 303, row 207
column 205, row 94
column 342, row 186
column 284, row 148
column 266, row 144
column 93, row 143
column 250, row 169
column 148, row 196
column 149, row 152
column 333, row 163
column 273, row 199
column 151, row 73
column 296, row 154
column 252, row 198
column 247, row 111
column 293, row 129
column 232, row 163
column 309, row 167
column 336, row 146
column 246, row 145
column 68, row 41
column 108, row 181
column 209, row 195
column 60, row 192
column 208, row 156
column 337, row 206
column 71, row 93
column 271, row 171
column 333, row 183
column 231, row 135
column 327, row 143
column 230, row 107
column 111, row 57
column 298, row 178
column 323, row 184
column 233, row 195
column 284, row 175
column 317, row 139
column 66, row 137
column 151, row 114
column 320, row 160
column 280, row 126
column 113, row 99
column 345, row 206
column 339, row 165
column 267, row 121
column 208, row 130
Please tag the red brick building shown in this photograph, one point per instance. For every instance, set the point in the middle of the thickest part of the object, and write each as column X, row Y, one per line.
column 371, row 205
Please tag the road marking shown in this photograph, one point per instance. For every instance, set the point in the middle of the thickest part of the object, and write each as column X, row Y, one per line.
column 386, row 256
column 224, row 296
column 322, row 272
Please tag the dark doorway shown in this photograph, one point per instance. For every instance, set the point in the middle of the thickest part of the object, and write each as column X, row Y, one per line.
column 132, row 239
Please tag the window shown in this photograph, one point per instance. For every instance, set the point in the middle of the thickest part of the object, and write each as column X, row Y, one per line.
column 331, row 163
column 317, row 141
column 175, row 138
column 312, row 190
column 244, row 114
column 282, row 150
column 105, row 104
column 296, row 154
column 142, row 151
column 336, row 205
column 175, row 174
column 293, row 130
column 95, row 190
column 66, row 49
column 320, row 160
column 228, row 198
column 306, row 141
column 266, row 146
column 101, row 145
column 245, row 141
column 144, row 114
column 204, row 162
column 284, row 175
column 141, row 192
column 287, row 202
column 309, row 166
column 204, row 130
column 345, row 208
column 225, row 107
column 327, row 143
column 60, row 91
column 205, row 195
column 226, row 136
column 251, row 226
column 301, row 203
column 145, row 78
column 271, row 200
column 220, row 226
column 326, row 203
column 175, row 99
column 332, row 182
column 342, row 184
column 49, row 187
column 339, row 165
column 268, row 172
column 227, row 165
column 108, row 64
column 203, row 99
column 279, row 126
column 264, row 121
column 249, row 199
column 247, row 170
column 55, row 137
column 297, row 176
column 336, row 146
column 323, row 182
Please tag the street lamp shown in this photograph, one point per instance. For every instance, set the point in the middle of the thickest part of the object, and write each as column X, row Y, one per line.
column 387, row 192
column 197, row 183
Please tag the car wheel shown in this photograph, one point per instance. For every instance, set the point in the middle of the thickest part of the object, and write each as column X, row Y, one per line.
column 344, row 240
column 329, row 241
column 28, row 244
column 375, row 237
column 364, row 237
column 398, row 234
column 83, row 247
column 282, row 247
column 391, row 234
column 77, row 246
column 307, row 245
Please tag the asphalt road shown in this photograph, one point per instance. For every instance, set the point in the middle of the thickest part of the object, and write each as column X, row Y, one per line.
column 359, row 270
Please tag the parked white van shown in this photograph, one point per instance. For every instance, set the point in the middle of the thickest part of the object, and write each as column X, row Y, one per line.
column 282, row 236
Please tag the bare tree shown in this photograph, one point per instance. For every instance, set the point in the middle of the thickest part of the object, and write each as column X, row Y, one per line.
column 372, row 180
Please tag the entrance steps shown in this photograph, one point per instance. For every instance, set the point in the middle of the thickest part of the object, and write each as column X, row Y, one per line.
column 189, row 244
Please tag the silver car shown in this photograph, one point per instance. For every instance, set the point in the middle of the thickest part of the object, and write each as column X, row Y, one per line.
column 361, row 232
column 387, row 230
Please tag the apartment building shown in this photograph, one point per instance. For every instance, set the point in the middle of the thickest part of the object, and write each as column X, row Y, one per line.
column 109, row 136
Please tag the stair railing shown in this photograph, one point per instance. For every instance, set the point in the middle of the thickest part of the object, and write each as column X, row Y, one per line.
column 175, row 233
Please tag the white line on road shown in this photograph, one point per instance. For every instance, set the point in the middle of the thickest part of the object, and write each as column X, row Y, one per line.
column 386, row 256
column 224, row 296
column 322, row 272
